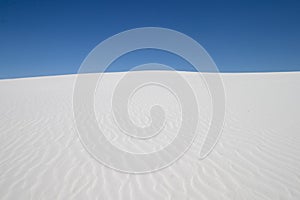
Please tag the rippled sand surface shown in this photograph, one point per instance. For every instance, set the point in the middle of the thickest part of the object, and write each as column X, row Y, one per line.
column 257, row 156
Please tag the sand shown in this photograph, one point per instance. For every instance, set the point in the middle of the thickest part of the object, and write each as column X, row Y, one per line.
column 257, row 156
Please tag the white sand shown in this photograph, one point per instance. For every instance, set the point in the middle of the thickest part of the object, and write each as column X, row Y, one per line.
column 257, row 157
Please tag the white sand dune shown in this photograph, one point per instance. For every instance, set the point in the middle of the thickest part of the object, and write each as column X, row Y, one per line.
column 257, row 156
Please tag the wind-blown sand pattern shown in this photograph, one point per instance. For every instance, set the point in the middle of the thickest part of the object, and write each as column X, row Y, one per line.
column 257, row 156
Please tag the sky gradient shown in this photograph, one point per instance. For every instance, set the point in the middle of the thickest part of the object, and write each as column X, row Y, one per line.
column 40, row 38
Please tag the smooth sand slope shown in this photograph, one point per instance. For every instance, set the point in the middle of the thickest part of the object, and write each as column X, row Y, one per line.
column 257, row 157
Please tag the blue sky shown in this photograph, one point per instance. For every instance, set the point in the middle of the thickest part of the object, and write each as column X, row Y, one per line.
column 53, row 37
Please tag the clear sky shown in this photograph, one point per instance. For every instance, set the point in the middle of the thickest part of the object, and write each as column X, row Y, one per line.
column 53, row 37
